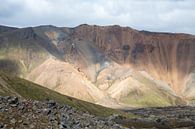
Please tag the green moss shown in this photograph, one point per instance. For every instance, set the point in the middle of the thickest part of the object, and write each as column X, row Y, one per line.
column 147, row 100
column 150, row 95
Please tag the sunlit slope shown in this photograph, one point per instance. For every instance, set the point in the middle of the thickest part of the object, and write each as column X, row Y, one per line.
column 14, row 86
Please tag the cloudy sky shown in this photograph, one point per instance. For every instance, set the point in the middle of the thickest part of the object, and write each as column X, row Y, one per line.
column 152, row 15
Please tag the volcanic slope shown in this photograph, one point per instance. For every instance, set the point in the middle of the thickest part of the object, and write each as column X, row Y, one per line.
column 109, row 65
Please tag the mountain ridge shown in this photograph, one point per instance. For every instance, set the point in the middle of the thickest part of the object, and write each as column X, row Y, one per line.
column 102, row 57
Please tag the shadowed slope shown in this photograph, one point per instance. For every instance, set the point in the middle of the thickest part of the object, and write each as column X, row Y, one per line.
column 23, row 47
column 4, row 29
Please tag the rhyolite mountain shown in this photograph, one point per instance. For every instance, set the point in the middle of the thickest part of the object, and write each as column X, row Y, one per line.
column 108, row 65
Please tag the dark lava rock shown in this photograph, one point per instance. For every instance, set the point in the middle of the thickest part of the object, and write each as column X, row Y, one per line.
column 51, row 104
column 48, row 114
column 12, row 100
column 1, row 125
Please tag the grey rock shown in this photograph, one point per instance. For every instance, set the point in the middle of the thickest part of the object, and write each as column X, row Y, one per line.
column 13, row 100
column 1, row 125
column 46, row 111
column 64, row 126
column 32, row 126
column 51, row 104
column 13, row 121
column 48, row 115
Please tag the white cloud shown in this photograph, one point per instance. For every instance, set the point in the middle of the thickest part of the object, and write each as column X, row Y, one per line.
column 154, row 15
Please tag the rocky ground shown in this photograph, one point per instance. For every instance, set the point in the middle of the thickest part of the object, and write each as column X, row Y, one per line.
column 178, row 117
column 30, row 114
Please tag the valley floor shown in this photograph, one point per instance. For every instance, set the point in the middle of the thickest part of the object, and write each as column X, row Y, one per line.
column 179, row 117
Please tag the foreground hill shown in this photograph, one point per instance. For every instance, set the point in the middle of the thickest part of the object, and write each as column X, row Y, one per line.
column 37, row 107
column 14, row 86
column 109, row 65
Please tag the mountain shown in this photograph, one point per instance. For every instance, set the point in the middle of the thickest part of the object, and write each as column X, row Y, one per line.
column 114, row 66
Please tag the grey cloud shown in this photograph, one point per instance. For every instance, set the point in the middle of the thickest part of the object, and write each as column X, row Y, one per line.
column 153, row 15
column 9, row 8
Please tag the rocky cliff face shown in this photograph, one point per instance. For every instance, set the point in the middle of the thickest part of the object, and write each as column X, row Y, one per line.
column 110, row 65
column 168, row 57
